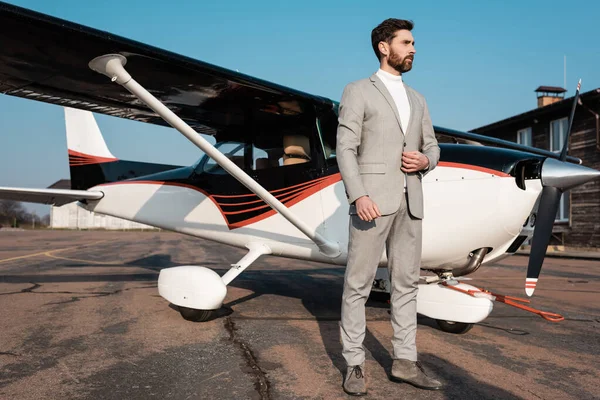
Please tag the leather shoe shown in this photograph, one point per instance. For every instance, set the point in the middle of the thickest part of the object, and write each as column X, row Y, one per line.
column 354, row 383
column 412, row 372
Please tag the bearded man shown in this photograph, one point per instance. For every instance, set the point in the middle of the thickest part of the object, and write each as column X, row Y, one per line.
column 385, row 145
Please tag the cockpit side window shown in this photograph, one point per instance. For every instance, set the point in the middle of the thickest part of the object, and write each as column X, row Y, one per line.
column 275, row 137
column 235, row 151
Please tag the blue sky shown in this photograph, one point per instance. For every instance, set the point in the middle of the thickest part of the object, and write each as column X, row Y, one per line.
column 477, row 62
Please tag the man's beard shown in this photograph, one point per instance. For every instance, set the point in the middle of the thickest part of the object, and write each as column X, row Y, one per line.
column 400, row 64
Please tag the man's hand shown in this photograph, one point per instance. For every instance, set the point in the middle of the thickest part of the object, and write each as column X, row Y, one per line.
column 366, row 209
column 413, row 161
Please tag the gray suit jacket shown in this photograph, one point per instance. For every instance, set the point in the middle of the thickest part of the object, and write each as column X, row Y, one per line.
column 370, row 142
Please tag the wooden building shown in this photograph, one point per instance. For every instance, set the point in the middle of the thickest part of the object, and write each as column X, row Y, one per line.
column 578, row 220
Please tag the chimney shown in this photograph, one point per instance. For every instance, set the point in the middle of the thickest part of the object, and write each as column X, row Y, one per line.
column 549, row 94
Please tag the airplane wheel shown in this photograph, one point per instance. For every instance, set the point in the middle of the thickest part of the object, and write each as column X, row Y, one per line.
column 454, row 327
column 191, row 314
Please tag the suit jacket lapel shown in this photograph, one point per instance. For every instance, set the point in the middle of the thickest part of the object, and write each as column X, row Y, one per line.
column 383, row 90
column 412, row 103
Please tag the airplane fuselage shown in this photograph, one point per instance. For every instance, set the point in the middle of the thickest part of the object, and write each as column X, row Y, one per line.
column 467, row 207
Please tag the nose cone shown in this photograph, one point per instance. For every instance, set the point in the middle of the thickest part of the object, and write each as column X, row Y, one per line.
column 564, row 175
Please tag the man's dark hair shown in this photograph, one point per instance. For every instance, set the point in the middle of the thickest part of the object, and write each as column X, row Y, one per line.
column 384, row 32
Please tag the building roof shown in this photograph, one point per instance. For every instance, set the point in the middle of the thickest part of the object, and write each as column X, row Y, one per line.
column 61, row 184
column 559, row 106
column 550, row 89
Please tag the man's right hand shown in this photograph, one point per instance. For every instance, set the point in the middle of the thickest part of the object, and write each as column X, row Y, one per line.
column 366, row 209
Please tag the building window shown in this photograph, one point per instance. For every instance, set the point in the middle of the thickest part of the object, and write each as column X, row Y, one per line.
column 558, row 133
column 524, row 136
column 564, row 209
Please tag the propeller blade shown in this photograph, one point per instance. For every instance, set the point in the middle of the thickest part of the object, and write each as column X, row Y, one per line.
column 563, row 153
column 547, row 210
column 556, row 177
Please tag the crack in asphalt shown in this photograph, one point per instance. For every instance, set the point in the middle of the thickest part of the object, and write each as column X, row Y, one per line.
column 31, row 289
column 85, row 295
column 8, row 353
column 529, row 391
column 261, row 383
column 27, row 290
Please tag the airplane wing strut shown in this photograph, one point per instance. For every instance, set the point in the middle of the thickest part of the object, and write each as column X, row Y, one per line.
column 112, row 65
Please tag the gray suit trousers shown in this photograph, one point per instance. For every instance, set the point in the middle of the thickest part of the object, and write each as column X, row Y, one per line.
column 402, row 236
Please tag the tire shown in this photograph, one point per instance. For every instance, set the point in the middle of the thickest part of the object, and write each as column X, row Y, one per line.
column 191, row 314
column 458, row 328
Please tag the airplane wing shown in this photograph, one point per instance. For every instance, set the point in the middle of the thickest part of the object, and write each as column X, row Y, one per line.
column 56, row 197
column 46, row 59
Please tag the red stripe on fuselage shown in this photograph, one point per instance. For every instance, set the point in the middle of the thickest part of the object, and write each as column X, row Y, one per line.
column 76, row 158
column 222, row 196
column 283, row 197
column 330, row 180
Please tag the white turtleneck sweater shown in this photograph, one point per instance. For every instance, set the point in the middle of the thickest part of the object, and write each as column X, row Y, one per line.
column 395, row 86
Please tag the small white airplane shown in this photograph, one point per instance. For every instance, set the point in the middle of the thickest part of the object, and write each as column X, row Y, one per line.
column 270, row 183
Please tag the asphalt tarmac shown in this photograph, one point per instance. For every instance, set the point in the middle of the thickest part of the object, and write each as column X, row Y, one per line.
column 82, row 319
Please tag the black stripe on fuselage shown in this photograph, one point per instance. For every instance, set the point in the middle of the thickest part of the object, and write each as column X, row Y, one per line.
column 86, row 176
column 495, row 158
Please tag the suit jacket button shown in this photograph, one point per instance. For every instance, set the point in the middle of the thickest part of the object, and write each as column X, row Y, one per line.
column 404, row 144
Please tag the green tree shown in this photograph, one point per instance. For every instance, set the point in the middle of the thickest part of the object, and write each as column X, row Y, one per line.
column 11, row 212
